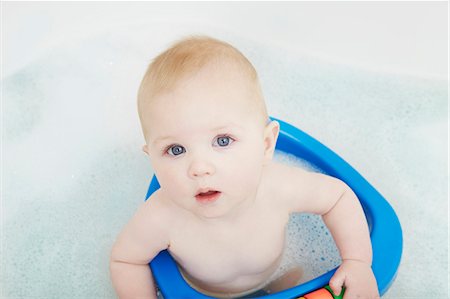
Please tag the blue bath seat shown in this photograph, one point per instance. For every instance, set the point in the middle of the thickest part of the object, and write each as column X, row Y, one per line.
column 385, row 229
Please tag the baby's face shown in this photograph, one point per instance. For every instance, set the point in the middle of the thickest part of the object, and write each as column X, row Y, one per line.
column 204, row 136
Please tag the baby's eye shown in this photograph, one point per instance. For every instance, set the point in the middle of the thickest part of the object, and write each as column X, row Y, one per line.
column 223, row 141
column 175, row 150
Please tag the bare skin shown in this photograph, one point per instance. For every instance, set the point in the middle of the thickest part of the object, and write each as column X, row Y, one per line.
column 231, row 245
column 223, row 247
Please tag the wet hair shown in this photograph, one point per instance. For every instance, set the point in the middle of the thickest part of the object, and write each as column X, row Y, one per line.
column 187, row 57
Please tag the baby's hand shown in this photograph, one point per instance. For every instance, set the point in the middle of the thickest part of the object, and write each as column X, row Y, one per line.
column 358, row 278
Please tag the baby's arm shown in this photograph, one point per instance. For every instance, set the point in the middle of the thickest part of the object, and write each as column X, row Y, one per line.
column 342, row 213
column 348, row 226
column 140, row 241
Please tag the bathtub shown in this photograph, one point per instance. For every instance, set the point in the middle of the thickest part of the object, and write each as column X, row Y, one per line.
column 73, row 169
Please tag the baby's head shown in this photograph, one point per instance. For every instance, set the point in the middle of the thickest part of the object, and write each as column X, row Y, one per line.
column 187, row 58
column 205, row 122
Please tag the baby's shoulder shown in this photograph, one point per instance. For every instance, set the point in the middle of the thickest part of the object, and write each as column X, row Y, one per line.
column 285, row 182
column 277, row 178
column 302, row 190
column 157, row 210
column 277, row 174
column 165, row 211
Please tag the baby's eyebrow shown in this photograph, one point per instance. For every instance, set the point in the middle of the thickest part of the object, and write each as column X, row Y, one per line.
column 161, row 139
column 227, row 127
column 220, row 128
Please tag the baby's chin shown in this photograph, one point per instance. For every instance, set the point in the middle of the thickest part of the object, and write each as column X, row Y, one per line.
column 217, row 211
column 212, row 211
column 222, row 209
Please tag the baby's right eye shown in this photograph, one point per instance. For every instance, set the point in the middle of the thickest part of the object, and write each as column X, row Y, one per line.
column 175, row 150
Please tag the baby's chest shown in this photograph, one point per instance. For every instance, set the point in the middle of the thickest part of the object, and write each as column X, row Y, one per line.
column 250, row 249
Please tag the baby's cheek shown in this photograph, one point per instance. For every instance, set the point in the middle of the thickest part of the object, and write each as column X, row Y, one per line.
column 169, row 178
column 244, row 174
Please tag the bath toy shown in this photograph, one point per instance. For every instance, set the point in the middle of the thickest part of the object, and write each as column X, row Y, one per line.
column 323, row 293
column 385, row 229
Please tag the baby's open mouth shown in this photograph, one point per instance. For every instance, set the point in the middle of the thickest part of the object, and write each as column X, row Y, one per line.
column 208, row 196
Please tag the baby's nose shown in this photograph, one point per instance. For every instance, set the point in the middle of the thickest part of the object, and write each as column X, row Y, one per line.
column 200, row 168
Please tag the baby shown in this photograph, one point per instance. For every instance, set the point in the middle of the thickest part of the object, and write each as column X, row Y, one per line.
column 223, row 204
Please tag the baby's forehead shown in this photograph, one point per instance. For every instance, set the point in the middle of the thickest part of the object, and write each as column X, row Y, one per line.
column 180, row 111
column 216, row 85
column 225, row 72
column 216, row 91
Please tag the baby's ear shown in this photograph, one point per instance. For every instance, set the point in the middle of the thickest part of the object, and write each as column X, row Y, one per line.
column 145, row 149
column 270, row 139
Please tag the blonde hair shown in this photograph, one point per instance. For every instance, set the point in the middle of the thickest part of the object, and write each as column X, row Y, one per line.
column 186, row 57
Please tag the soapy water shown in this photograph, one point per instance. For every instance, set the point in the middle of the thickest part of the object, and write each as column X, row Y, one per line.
column 74, row 172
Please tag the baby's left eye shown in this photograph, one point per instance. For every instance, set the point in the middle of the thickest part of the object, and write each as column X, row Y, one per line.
column 223, row 141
